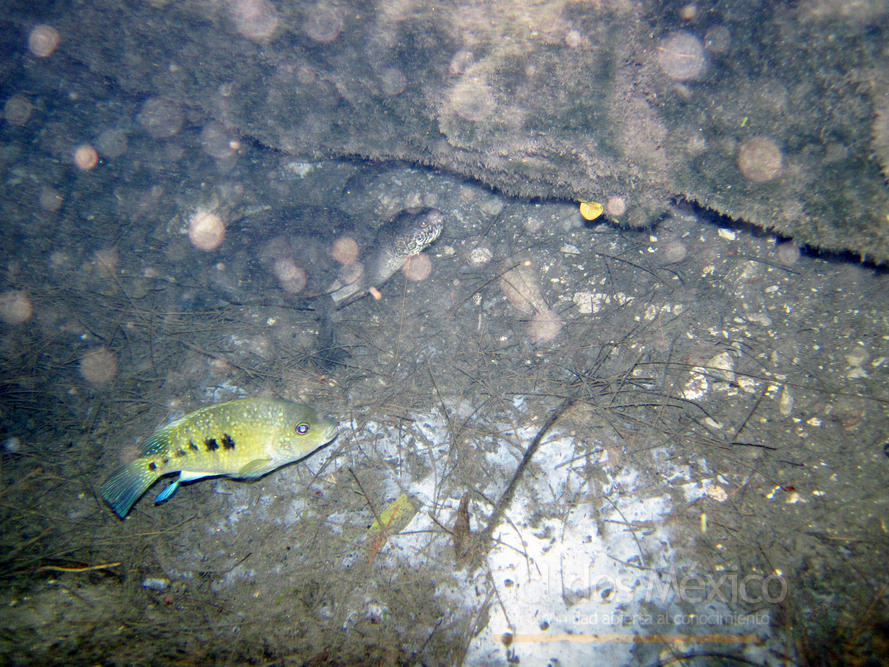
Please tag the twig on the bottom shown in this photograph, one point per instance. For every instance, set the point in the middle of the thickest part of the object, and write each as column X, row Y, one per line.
column 484, row 537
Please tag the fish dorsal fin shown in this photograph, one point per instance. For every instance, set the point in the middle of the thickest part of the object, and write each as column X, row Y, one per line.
column 256, row 468
column 157, row 443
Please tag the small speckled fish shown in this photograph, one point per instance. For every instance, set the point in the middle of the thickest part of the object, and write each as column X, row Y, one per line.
column 408, row 233
column 246, row 439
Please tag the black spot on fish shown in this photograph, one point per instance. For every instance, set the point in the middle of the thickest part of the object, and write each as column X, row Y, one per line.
column 212, row 445
column 179, row 452
column 191, row 445
column 227, row 441
column 165, row 461
column 152, row 466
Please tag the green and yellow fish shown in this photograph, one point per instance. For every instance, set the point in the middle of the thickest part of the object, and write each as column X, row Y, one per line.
column 246, row 439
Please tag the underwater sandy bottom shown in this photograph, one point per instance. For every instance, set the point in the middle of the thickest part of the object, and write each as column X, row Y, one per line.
column 574, row 577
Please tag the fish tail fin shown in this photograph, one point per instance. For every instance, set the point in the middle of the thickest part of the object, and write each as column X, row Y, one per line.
column 127, row 485
column 348, row 294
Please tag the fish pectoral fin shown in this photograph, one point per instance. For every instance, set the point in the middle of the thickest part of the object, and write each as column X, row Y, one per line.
column 256, row 468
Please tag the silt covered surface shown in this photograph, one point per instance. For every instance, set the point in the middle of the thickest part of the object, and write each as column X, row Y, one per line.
column 581, row 437
column 558, row 99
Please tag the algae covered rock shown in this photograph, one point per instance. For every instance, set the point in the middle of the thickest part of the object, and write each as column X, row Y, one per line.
column 767, row 112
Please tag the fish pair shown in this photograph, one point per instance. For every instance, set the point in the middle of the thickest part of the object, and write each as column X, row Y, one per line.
column 244, row 439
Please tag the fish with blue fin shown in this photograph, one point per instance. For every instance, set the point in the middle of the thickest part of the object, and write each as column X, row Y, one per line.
column 244, row 439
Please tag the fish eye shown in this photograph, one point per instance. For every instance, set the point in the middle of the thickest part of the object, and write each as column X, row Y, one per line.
column 302, row 428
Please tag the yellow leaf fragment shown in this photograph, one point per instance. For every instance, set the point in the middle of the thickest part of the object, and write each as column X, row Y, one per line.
column 591, row 210
column 396, row 517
